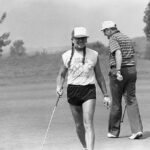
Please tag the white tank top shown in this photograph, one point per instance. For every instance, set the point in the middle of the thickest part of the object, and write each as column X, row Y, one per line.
column 79, row 73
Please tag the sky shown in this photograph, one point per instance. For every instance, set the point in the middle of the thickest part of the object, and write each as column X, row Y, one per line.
column 48, row 23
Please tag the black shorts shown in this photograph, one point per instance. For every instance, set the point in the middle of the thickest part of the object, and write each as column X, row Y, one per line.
column 78, row 94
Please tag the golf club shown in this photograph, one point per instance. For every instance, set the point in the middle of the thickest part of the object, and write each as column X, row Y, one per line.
column 49, row 124
column 123, row 113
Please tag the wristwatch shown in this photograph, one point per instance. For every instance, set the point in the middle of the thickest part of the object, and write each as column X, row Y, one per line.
column 118, row 71
column 106, row 95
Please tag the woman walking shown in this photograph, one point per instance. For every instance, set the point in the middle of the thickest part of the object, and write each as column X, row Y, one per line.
column 81, row 65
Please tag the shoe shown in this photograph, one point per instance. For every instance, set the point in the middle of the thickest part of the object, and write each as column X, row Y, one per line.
column 109, row 135
column 136, row 135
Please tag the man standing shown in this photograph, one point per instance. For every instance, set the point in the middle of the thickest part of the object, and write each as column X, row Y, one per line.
column 123, row 77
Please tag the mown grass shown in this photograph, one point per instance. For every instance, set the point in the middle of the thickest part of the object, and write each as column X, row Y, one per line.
column 44, row 68
column 29, row 69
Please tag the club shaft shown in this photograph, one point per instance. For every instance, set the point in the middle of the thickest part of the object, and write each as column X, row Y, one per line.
column 124, row 113
column 49, row 124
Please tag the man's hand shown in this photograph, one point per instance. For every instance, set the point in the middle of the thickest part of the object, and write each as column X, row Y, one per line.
column 119, row 76
column 107, row 102
column 59, row 91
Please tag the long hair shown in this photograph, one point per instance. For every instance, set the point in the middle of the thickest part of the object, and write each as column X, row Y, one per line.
column 72, row 51
column 84, row 54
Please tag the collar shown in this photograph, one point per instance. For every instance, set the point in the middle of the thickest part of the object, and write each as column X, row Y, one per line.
column 117, row 31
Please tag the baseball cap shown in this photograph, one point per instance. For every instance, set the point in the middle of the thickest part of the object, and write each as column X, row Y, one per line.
column 79, row 32
column 107, row 25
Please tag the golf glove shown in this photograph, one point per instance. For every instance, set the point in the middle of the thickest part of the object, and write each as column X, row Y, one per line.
column 107, row 102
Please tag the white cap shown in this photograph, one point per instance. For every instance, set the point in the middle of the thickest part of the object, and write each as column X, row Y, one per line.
column 80, row 32
column 107, row 25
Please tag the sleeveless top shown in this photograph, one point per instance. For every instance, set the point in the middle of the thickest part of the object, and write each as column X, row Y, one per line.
column 79, row 73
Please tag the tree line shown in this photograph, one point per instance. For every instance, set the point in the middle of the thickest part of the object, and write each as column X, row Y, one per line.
column 18, row 48
column 146, row 19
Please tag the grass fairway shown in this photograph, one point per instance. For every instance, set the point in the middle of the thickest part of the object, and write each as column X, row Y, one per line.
column 27, row 98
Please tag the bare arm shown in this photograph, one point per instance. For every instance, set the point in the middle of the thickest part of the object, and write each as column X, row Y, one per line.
column 118, row 57
column 116, row 49
column 61, row 79
column 101, row 82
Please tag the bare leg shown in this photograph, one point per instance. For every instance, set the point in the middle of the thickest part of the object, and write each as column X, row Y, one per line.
column 77, row 113
column 88, row 115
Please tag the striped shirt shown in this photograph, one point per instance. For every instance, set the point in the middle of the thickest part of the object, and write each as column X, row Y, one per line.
column 119, row 41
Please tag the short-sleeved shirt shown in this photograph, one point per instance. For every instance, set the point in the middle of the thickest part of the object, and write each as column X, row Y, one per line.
column 119, row 41
column 79, row 73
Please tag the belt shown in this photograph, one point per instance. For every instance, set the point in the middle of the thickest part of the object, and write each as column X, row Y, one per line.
column 123, row 66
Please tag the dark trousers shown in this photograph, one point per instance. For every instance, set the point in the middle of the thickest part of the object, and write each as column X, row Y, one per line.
column 126, row 88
